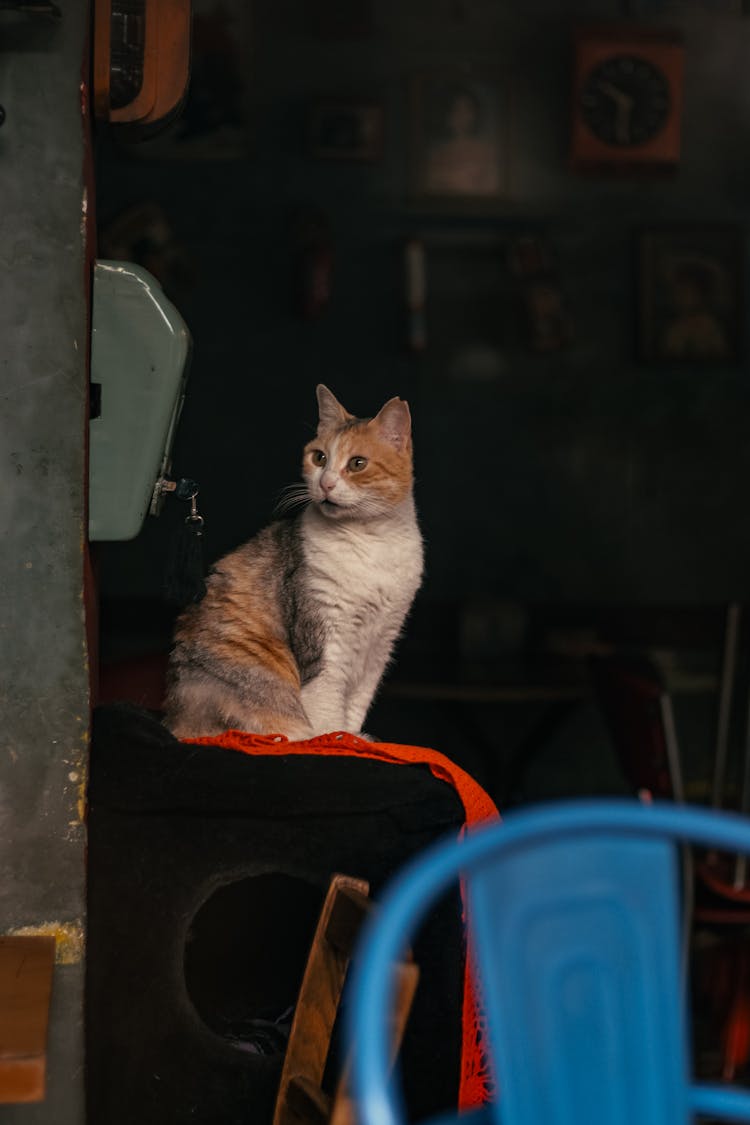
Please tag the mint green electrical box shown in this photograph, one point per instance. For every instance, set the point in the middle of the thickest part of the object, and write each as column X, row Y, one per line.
column 140, row 348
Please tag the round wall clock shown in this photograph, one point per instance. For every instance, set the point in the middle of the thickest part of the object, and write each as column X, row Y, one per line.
column 627, row 99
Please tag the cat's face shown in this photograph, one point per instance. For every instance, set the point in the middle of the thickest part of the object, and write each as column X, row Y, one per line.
column 356, row 468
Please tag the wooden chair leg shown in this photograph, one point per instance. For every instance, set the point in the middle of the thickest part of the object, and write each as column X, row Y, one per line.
column 301, row 1099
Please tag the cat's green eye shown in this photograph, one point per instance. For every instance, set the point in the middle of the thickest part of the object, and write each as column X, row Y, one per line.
column 356, row 464
column 318, row 457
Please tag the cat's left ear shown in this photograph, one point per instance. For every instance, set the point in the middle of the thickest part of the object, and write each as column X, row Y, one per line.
column 330, row 410
column 394, row 423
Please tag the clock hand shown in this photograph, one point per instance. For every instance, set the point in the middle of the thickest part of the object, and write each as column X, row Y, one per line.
column 622, row 122
column 616, row 94
column 624, row 106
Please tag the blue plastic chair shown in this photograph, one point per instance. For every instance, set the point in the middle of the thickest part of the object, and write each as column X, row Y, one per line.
column 576, row 918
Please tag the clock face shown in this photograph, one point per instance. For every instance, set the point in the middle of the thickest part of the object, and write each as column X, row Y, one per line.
column 625, row 101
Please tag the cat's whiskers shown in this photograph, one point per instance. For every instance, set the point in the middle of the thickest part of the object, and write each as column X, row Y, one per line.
column 292, row 496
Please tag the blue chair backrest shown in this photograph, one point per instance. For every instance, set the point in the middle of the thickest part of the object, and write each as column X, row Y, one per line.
column 576, row 915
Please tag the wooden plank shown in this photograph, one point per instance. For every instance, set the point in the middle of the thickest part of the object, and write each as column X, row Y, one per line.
column 26, row 968
column 348, row 913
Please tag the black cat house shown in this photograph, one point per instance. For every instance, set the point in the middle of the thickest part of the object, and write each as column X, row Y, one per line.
column 207, row 871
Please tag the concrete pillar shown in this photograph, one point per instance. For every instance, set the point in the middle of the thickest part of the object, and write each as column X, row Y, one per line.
column 44, row 697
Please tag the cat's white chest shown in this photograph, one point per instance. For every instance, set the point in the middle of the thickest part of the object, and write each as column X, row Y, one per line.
column 365, row 569
column 392, row 567
column 361, row 579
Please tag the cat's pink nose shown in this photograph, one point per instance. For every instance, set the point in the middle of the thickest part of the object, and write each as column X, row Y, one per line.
column 328, row 482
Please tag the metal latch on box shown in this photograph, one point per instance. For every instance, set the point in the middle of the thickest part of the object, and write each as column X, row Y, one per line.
column 183, row 489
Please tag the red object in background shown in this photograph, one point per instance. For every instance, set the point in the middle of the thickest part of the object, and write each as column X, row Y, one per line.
column 724, row 977
column 416, row 293
column 723, row 994
column 737, row 1026
column 629, row 693
column 314, row 266
column 140, row 680
column 317, row 280
column 632, row 697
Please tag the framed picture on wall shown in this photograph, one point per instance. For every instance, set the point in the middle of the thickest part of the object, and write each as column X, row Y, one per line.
column 460, row 126
column 690, row 283
column 463, row 304
column 344, row 130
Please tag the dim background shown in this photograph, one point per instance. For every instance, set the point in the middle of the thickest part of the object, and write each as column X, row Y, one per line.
column 569, row 500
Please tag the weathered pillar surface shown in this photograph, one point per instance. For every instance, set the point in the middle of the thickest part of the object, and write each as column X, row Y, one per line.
column 43, row 660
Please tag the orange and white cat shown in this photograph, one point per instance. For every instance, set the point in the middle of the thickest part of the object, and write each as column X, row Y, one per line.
column 298, row 624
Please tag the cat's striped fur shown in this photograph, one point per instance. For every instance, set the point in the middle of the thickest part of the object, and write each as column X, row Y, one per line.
column 297, row 625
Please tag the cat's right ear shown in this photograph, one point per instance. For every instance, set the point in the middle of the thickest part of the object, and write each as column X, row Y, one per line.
column 330, row 410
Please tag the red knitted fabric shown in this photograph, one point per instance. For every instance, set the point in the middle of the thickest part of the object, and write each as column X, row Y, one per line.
column 475, row 1081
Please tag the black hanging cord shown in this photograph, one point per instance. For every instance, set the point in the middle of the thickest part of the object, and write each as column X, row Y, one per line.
column 184, row 578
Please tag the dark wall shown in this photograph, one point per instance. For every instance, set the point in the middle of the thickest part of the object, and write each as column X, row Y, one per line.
column 583, row 475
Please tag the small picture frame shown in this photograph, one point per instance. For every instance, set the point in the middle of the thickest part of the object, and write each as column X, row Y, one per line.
column 690, row 283
column 469, row 321
column 345, row 130
column 460, row 137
